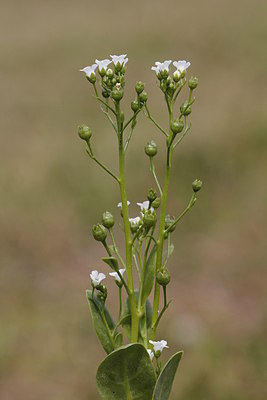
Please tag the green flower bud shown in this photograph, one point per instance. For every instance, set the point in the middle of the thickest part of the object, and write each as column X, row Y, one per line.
column 84, row 132
column 193, row 82
column 102, row 293
column 107, row 220
column 152, row 195
column 164, row 74
column 156, row 203
column 135, row 224
column 197, row 185
column 105, row 93
column 150, row 218
column 117, row 94
column 143, row 97
column 110, row 73
column 163, row 277
column 139, row 87
column 176, row 76
column 185, row 108
column 151, row 149
column 99, row 232
column 134, row 105
column 168, row 222
column 177, row 126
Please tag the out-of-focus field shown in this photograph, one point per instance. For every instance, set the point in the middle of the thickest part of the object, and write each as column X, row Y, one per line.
column 51, row 193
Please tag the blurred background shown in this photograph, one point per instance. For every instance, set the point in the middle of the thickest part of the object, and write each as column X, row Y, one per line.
column 51, row 192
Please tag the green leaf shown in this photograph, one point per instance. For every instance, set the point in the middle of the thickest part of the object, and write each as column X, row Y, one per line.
column 165, row 380
column 126, row 374
column 118, row 340
column 149, row 275
column 103, row 326
column 126, row 317
column 112, row 262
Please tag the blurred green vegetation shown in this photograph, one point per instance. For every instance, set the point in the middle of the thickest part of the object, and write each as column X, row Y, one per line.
column 51, row 193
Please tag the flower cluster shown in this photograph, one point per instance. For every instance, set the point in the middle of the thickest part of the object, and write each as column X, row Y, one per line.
column 162, row 68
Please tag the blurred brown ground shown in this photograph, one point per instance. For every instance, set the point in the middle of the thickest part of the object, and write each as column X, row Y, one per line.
column 51, row 193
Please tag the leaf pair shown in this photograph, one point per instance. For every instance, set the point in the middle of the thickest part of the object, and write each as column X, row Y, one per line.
column 128, row 374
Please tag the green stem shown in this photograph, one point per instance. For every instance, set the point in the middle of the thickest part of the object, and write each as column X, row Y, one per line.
column 127, row 231
column 152, row 168
column 154, row 122
column 190, row 205
column 116, row 248
column 92, row 156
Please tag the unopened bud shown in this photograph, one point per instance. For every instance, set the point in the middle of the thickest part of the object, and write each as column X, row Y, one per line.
column 163, row 277
column 110, row 73
column 105, row 93
column 197, row 185
column 156, row 203
column 102, row 293
column 177, row 126
column 193, row 82
column 143, row 97
column 134, row 105
column 99, row 232
column 168, row 222
column 150, row 218
column 139, row 87
column 152, row 195
column 185, row 108
column 107, row 220
column 84, row 132
column 91, row 78
column 117, row 94
column 151, row 149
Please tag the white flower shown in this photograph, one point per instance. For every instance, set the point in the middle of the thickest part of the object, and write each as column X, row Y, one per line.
column 135, row 220
column 116, row 275
column 120, row 204
column 97, row 277
column 144, row 206
column 159, row 346
column 89, row 70
column 102, row 64
column 161, row 66
column 181, row 66
column 151, row 354
column 122, row 59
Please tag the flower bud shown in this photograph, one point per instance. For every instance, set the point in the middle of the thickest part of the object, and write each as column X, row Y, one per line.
column 156, row 203
column 84, row 132
column 150, row 218
column 177, row 126
column 185, row 108
column 107, row 220
column 197, row 185
column 152, row 195
column 168, row 222
column 102, row 293
column 163, row 277
column 139, row 87
column 134, row 105
column 193, row 82
column 99, row 233
column 176, row 76
column 105, row 93
column 143, row 97
column 151, row 149
column 117, row 94
column 110, row 73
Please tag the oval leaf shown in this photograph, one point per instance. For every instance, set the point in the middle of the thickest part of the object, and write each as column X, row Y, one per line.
column 103, row 332
column 126, row 374
column 165, row 380
column 149, row 275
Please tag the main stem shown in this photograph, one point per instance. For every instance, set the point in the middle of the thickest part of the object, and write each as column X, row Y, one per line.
column 160, row 240
column 127, row 232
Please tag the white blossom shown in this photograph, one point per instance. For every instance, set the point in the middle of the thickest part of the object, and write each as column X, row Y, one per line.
column 181, row 66
column 151, row 354
column 145, row 206
column 122, row 59
column 120, row 204
column 116, row 275
column 135, row 220
column 89, row 70
column 97, row 277
column 159, row 346
column 103, row 64
column 161, row 66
